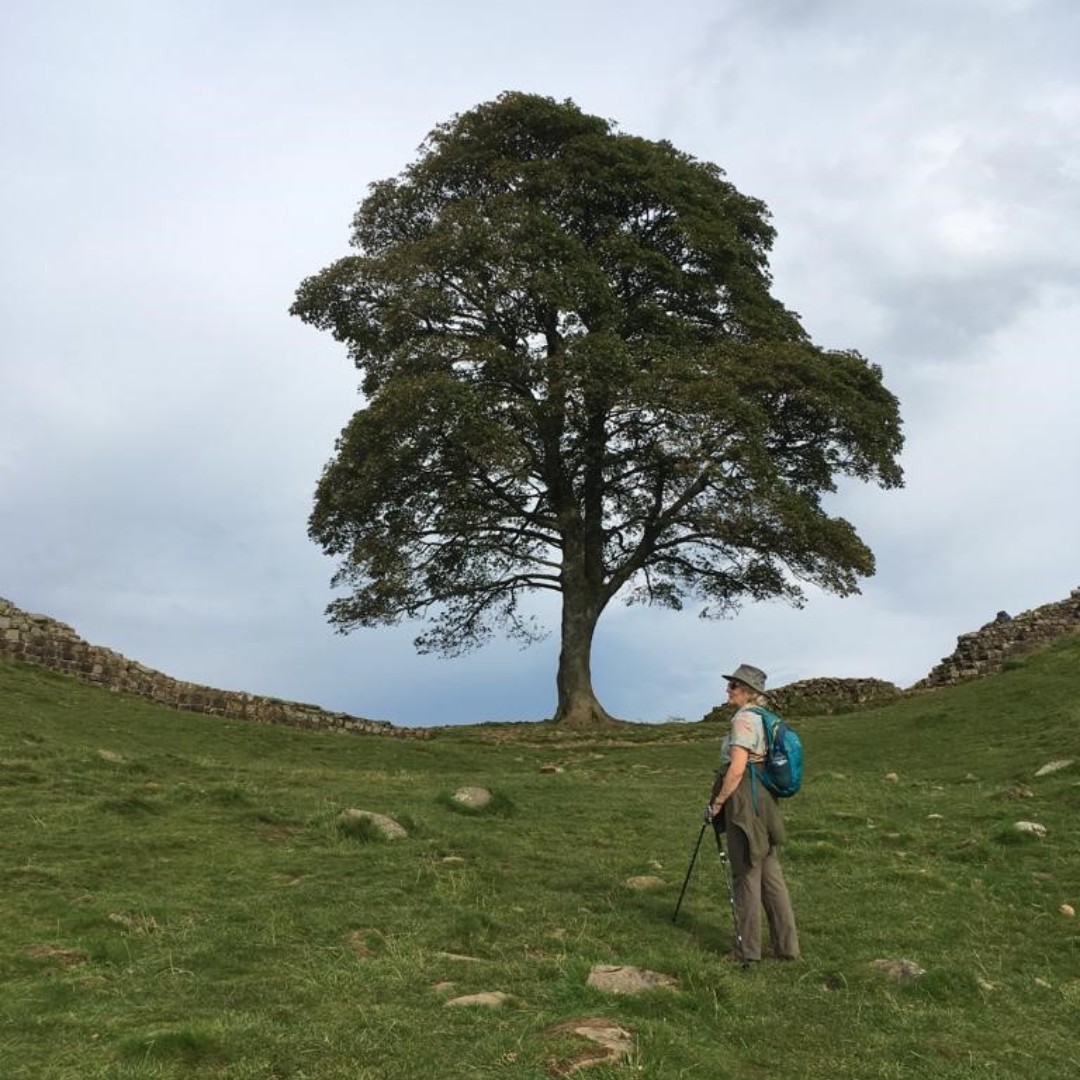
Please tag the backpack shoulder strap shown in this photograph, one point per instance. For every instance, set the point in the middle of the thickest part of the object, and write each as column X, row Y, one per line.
column 768, row 719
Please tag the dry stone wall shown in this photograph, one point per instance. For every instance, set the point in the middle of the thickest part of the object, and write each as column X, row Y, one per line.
column 985, row 651
column 818, row 697
column 37, row 639
column 814, row 696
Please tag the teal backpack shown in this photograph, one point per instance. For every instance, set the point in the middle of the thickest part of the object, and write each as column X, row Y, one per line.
column 781, row 771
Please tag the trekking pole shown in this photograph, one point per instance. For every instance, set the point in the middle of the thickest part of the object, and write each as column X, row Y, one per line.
column 731, row 894
column 690, row 870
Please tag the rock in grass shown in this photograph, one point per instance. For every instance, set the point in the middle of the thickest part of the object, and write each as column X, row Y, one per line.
column 1054, row 766
column 474, row 797
column 1068, row 911
column 386, row 825
column 1030, row 828
column 892, row 778
column 488, row 999
column 623, row 979
column 63, row 957
column 613, row 1044
column 1019, row 792
column 644, row 881
column 900, row 971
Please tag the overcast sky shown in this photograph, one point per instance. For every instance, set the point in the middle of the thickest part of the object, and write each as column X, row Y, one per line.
column 172, row 171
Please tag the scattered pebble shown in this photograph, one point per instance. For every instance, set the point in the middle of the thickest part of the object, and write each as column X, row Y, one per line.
column 901, row 971
column 552, row 769
column 1068, row 911
column 1054, row 766
column 1031, row 828
column 614, row 1044
column 893, row 778
column 487, row 999
column 64, row 957
column 475, row 797
column 620, row 979
column 386, row 825
column 644, row 881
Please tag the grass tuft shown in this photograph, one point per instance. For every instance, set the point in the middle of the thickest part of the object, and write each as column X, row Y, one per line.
column 187, row 1045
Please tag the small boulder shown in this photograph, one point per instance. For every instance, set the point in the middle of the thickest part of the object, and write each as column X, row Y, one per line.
column 900, row 971
column 386, row 825
column 644, row 881
column 613, row 1044
column 549, row 768
column 488, row 999
column 1018, row 792
column 1054, row 766
column 892, row 778
column 474, row 797
column 1030, row 828
column 63, row 957
column 624, row 979
column 1068, row 911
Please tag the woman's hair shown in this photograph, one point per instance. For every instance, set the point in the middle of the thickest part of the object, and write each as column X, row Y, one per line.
column 754, row 698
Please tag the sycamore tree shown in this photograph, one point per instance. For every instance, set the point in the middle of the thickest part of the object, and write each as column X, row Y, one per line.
column 576, row 379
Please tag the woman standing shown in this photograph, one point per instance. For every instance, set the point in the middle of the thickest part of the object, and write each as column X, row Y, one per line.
column 748, row 814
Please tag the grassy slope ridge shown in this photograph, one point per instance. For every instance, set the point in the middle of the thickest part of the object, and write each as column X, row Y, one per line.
column 178, row 899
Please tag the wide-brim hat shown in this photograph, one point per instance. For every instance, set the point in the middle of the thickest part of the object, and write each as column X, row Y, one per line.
column 752, row 676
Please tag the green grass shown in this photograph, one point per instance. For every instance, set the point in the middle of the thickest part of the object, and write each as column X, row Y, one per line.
column 179, row 898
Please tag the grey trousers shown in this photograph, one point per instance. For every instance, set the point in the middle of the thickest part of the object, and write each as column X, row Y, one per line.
column 756, row 887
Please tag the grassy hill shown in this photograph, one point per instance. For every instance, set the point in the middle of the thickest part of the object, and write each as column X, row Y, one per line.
column 180, row 899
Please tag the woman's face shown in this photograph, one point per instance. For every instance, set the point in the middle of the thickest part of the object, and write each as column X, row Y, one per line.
column 738, row 694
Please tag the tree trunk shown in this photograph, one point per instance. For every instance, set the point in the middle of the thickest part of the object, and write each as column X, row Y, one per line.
column 578, row 705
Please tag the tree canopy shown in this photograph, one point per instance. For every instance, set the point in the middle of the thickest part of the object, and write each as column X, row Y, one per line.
column 577, row 380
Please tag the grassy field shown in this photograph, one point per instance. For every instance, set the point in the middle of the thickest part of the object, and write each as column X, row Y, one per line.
column 179, row 898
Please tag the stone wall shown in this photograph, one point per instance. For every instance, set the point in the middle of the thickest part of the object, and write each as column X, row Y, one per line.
column 811, row 697
column 818, row 697
column 985, row 651
column 37, row 639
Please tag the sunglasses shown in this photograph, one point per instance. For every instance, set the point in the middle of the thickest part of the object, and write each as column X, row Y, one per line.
column 734, row 685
